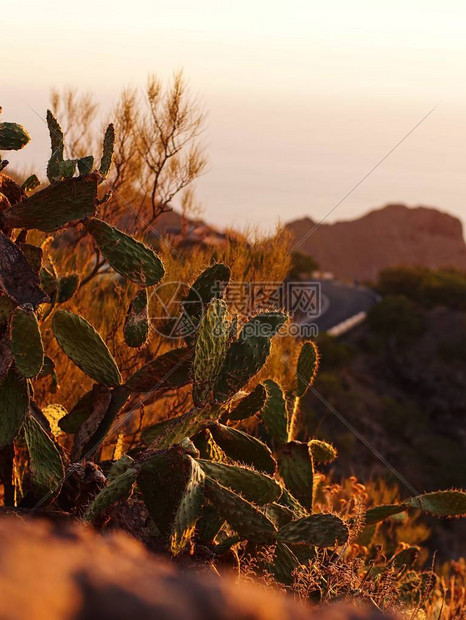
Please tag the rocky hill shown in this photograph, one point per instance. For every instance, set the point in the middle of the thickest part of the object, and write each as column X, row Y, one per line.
column 392, row 235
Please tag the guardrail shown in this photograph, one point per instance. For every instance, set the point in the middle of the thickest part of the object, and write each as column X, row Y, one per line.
column 347, row 324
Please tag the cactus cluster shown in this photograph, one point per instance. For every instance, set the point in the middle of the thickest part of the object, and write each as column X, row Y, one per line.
column 204, row 478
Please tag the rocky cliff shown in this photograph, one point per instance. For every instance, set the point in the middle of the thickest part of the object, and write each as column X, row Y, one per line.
column 392, row 235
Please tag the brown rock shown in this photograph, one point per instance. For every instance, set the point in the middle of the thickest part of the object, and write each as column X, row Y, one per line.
column 393, row 235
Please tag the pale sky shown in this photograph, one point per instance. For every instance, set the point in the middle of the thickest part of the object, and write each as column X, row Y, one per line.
column 303, row 98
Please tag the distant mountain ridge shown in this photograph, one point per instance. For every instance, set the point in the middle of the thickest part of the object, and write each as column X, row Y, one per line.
column 389, row 236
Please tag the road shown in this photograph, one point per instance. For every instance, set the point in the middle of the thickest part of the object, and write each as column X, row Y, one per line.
column 340, row 302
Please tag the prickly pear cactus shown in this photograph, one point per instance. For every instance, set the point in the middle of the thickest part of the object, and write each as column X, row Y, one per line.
column 227, row 472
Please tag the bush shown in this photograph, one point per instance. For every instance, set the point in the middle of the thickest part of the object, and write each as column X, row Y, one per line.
column 396, row 317
column 427, row 287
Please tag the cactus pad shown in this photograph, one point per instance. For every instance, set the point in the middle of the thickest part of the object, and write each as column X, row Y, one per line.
column 243, row 448
column 440, row 503
column 55, row 206
column 107, row 151
column 46, row 464
column 13, row 137
column 136, row 329
column 322, row 452
column 379, row 513
column 297, row 471
column 209, row 350
column 85, row 347
column 306, row 370
column 242, row 516
column 14, row 405
column 130, row 258
column 321, row 530
column 162, row 499
column 189, row 508
column 274, row 414
column 67, row 287
column 252, row 485
column 247, row 354
column 26, row 343
column 249, row 405
column 118, row 488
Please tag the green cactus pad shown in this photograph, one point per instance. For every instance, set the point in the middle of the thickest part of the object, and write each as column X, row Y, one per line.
column 274, row 414
column 67, row 287
column 67, row 168
column 119, row 467
column 440, row 503
column 17, row 278
column 46, row 464
column 85, row 165
column 167, row 371
column 246, row 355
column 209, row 350
column 120, row 487
column 380, row 513
column 189, row 508
column 405, row 557
column 14, row 401
column 244, row 448
column 85, row 347
column 207, row 447
column 249, row 405
column 210, row 523
column 296, row 468
column 136, row 329
column 55, row 206
column 130, row 258
column 252, row 485
column 162, row 498
column 322, row 452
column 13, row 137
column 306, row 370
column 107, row 151
column 26, row 343
column 208, row 286
column 284, row 564
column 185, row 425
column 321, row 530
column 57, row 140
column 247, row 520
column 152, row 432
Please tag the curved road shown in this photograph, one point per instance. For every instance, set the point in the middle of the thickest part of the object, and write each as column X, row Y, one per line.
column 340, row 302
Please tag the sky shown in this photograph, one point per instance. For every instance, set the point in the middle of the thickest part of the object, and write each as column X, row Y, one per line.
column 303, row 98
